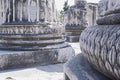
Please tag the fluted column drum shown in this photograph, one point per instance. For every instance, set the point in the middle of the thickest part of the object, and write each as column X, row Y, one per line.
column 28, row 25
column 29, row 34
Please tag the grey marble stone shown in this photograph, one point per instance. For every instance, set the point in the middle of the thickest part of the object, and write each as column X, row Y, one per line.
column 108, row 6
column 78, row 68
column 29, row 37
column 16, row 59
column 92, row 13
column 25, row 20
column 75, row 20
column 108, row 12
column 100, row 46
column 76, row 15
column 27, row 11
column 110, row 19
column 72, row 38
column 31, row 34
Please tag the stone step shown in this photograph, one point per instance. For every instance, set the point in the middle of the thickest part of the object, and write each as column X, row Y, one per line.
column 21, row 42
column 30, row 37
column 33, row 48
column 74, row 30
column 73, row 38
column 73, row 33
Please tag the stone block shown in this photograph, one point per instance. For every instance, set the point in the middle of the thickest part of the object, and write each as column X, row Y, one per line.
column 72, row 38
column 109, row 19
column 79, row 69
column 14, row 59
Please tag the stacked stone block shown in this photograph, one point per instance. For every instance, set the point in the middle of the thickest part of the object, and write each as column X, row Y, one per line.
column 75, row 20
column 100, row 58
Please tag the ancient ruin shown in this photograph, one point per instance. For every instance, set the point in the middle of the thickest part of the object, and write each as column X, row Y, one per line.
column 78, row 17
column 100, row 44
column 75, row 20
column 100, row 47
column 29, row 34
column 92, row 13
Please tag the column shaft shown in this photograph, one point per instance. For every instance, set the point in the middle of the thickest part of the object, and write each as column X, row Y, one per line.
column 38, row 12
column 13, row 10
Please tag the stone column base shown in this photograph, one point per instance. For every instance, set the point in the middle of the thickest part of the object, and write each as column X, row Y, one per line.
column 79, row 69
column 13, row 59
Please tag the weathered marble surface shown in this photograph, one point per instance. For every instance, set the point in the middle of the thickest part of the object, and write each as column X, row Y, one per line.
column 109, row 12
column 92, row 13
column 78, row 68
column 110, row 19
column 75, row 20
column 101, row 46
column 30, row 28
column 29, row 37
column 30, row 19
column 13, row 11
column 46, row 56
column 108, row 6
column 76, row 15
column 82, row 14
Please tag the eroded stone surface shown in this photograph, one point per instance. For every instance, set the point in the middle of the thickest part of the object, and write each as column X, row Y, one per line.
column 79, row 69
column 100, row 45
column 30, row 19
column 13, row 59
column 92, row 13
column 27, row 11
column 108, row 12
column 108, row 6
column 109, row 19
column 30, row 29
column 76, row 15
column 75, row 20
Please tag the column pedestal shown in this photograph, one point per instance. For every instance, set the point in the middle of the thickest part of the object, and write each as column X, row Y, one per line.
column 25, row 45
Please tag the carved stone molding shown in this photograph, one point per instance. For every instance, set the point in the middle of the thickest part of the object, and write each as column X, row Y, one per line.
column 100, row 45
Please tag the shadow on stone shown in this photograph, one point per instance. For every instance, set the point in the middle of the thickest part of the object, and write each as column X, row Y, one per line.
column 79, row 69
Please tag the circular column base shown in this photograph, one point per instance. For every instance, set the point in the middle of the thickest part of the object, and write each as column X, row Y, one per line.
column 78, row 68
column 14, row 59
